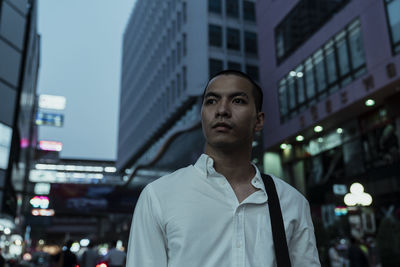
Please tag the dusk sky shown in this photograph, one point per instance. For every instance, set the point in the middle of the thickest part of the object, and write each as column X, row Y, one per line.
column 80, row 59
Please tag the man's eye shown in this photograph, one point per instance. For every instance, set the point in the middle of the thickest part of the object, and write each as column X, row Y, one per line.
column 239, row 101
column 210, row 101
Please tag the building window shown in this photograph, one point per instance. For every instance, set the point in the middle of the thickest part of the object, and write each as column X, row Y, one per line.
column 214, row 35
column 250, row 42
column 234, row 66
column 184, row 7
column 233, row 39
column 338, row 62
column 184, row 47
column 215, row 66
column 393, row 16
column 249, row 11
column 184, row 78
column 178, row 85
column 252, row 71
column 179, row 51
column 356, row 46
column 301, row 22
column 215, row 6
column 232, row 8
column 179, row 21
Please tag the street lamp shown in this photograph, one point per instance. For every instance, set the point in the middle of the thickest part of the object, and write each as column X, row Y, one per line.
column 357, row 196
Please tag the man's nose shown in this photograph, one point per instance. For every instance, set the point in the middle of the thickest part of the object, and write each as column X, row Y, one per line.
column 223, row 109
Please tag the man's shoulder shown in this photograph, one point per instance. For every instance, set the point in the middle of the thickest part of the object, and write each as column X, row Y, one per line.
column 285, row 190
column 174, row 179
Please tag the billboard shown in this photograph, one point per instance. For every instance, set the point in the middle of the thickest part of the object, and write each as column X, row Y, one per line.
column 89, row 199
column 50, row 145
column 49, row 119
column 5, row 143
column 52, row 102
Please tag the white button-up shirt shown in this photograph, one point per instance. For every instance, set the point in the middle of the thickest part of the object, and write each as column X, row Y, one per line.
column 192, row 218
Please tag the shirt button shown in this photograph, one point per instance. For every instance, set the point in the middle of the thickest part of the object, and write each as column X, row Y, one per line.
column 238, row 245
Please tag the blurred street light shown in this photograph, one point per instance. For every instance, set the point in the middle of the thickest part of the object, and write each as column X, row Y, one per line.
column 357, row 196
column 369, row 102
column 318, row 129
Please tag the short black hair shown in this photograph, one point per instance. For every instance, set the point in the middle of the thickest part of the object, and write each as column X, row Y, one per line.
column 257, row 91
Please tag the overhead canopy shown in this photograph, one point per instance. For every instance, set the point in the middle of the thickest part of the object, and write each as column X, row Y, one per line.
column 180, row 150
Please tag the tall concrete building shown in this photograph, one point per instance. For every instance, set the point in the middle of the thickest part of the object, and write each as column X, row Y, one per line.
column 19, row 64
column 330, row 70
column 170, row 49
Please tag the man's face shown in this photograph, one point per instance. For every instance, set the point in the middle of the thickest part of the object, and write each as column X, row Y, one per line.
column 228, row 115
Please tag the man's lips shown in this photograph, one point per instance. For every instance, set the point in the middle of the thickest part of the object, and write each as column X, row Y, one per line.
column 221, row 125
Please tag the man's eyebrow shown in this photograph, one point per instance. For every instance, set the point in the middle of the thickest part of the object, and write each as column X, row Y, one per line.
column 239, row 94
column 211, row 94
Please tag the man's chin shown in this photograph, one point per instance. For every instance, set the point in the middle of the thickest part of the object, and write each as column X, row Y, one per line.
column 223, row 144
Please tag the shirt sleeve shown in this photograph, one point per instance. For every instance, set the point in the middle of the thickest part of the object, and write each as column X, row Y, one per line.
column 147, row 246
column 302, row 246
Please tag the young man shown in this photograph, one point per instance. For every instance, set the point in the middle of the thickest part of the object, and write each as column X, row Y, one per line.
column 215, row 213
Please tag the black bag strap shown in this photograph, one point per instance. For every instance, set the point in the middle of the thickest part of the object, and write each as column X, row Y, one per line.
column 278, row 230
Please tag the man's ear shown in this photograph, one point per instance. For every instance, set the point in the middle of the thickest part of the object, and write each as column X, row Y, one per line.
column 260, row 122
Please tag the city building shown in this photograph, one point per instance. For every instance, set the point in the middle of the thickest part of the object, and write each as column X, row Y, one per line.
column 19, row 64
column 330, row 73
column 170, row 50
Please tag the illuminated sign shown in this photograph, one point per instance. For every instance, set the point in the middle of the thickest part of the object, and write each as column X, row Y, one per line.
column 340, row 211
column 339, row 189
column 49, row 119
column 50, row 145
column 40, row 202
column 42, row 212
column 52, row 102
column 24, row 143
column 5, row 143
column 42, row 188
column 49, row 176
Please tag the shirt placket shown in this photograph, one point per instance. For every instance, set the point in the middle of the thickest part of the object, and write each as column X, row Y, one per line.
column 239, row 239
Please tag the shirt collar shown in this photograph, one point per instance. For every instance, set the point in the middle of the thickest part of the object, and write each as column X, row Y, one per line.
column 205, row 164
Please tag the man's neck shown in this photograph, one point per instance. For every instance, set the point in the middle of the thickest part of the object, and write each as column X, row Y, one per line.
column 234, row 165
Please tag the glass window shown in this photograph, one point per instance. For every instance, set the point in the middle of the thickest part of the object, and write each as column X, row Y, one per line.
column 253, row 72
column 184, row 44
column 330, row 63
column 250, row 42
column 214, row 6
column 280, row 46
column 309, row 77
column 173, row 59
column 184, row 78
column 340, row 61
column 393, row 13
column 234, row 66
column 214, row 35
column 343, row 57
column 184, row 11
column 178, row 85
column 233, row 39
column 320, row 70
column 291, row 92
column 179, row 21
column 301, row 98
column 356, row 47
column 232, row 8
column 179, row 51
column 215, row 66
column 249, row 11
column 301, row 22
column 283, row 107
